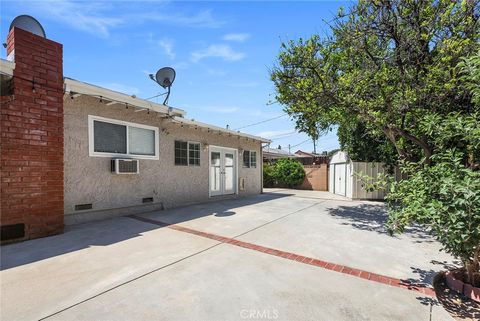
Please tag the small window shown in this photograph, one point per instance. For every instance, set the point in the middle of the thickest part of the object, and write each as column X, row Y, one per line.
column 253, row 159
column 141, row 141
column 110, row 138
column 181, row 153
column 194, row 154
column 187, row 153
column 246, row 158
column 249, row 158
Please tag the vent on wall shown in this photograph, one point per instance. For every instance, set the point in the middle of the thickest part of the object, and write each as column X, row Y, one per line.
column 125, row 166
column 11, row 232
column 82, row 207
column 147, row 200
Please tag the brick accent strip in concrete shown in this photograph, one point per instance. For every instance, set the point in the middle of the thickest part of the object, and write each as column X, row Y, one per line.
column 404, row 284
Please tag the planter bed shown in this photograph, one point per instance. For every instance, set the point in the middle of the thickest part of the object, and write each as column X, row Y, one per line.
column 454, row 280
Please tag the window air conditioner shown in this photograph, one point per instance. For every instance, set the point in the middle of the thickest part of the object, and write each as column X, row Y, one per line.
column 125, row 166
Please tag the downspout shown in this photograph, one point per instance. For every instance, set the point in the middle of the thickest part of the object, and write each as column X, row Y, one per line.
column 261, row 167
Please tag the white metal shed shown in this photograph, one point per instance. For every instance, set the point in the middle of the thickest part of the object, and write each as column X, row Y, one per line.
column 342, row 179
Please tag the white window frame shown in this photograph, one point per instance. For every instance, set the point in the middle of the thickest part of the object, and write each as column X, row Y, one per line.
column 199, row 155
column 250, row 158
column 91, row 137
column 188, row 152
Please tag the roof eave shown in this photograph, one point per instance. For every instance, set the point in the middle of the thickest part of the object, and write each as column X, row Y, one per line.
column 219, row 129
column 79, row 87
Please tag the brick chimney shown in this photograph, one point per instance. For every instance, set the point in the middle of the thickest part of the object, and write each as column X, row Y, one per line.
column 31, row 140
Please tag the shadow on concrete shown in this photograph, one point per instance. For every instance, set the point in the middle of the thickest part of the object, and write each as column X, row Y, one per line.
column 373, row 217
column 224, row 214
column 459, row 307
column 114, row 230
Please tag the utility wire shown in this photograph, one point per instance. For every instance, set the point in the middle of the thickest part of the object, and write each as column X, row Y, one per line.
column 300, row 143
column 280, row 137
column 261, row 122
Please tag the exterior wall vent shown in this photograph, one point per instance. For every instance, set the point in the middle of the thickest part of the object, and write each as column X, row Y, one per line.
column 12, row 232
column 147, row 200
column 125, row 166
column 82, row 207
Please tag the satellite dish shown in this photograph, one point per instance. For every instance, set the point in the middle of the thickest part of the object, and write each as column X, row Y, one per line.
column 164, row 77
column 29, row 24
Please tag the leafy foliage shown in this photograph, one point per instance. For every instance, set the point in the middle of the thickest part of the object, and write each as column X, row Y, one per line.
column 470, row 75
column 445, row 197
column 363, row 147
column 385, row 65
column 403, row 75
column 285, row 171
column 269, row 176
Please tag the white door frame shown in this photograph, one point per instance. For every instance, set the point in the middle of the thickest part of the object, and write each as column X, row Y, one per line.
column 222, row 150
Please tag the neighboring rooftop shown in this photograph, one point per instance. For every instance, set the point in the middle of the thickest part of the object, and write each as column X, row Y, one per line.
column 269, row 152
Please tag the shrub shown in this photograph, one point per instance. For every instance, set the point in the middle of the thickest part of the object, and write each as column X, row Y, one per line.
column 269, row 176
column 445, row 198
column 289, row 172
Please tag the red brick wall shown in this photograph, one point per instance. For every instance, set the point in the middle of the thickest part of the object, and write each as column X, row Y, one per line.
column 31, row 128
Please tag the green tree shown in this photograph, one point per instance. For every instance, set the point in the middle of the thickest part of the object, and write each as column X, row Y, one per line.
column 470, row 74
column 444, row 196
column 385, row 65
column 362, row 146
column 406, row 72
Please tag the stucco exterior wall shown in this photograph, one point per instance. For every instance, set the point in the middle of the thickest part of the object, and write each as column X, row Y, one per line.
column 89, row 180
column 316, row 178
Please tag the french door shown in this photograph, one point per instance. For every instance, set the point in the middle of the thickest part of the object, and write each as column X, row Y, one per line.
column 223, row 171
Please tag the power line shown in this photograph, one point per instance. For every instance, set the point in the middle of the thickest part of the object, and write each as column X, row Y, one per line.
column 261, row 122
column 278, row 138
column 300, row 143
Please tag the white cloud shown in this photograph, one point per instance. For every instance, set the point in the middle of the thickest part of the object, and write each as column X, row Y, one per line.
column 240, row 37
column 85, row 16
column 98, row 18
column 167, row 47
column 277, row 133
column 217, row 51
column 202, row 19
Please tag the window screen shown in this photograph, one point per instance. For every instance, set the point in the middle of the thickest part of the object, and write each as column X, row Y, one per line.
column 246, row 158
column 109, row 138
column 253, row 159
column 181, row 153
column 194, row 154
column 141, row 141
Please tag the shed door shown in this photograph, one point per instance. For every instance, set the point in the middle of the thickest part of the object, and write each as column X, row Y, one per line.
column 340, row 183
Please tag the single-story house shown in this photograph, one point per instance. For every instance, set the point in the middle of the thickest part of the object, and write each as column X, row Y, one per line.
column 311, row 159
column 270, row 154
column 73, row 152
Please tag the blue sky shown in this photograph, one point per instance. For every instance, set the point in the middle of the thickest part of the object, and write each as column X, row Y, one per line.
column 222, row 52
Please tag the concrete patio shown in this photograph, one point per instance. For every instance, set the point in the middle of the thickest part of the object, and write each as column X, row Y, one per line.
column 141, row 268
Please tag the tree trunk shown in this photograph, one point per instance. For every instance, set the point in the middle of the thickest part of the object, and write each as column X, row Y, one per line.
column 473, row 267
column 427, row 150
column 393, row 139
